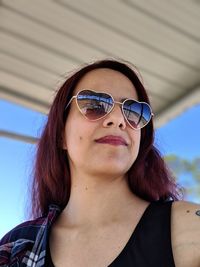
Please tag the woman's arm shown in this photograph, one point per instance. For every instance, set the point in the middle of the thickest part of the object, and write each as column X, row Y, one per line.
column 186, row 234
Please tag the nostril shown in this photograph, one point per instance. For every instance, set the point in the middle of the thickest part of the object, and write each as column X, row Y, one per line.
column 123, row 126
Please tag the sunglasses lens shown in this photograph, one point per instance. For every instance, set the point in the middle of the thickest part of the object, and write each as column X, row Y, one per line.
column 94, row 105
column 137, row 114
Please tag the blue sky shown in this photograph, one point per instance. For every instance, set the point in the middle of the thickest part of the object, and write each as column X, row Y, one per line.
column 180, row 136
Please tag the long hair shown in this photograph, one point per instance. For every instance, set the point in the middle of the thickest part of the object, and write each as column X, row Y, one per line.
column 148, row 177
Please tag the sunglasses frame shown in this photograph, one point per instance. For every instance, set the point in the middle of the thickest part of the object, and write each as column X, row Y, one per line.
column 114, row 102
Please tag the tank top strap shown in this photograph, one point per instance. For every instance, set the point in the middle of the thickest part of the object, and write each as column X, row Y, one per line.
column 150, row 243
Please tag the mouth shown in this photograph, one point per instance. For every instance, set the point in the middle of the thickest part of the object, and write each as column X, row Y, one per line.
column 112, row 140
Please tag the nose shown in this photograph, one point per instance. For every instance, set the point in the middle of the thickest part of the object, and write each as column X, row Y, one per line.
column 115, row 118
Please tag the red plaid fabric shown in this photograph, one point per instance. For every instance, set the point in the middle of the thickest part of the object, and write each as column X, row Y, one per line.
column 25, row 245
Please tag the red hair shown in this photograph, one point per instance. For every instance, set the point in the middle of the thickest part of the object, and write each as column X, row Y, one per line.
column 148, row 177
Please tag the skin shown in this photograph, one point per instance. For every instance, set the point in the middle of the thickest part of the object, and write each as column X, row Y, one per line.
column 98, row 171
column 185, row 225
column 96, row 224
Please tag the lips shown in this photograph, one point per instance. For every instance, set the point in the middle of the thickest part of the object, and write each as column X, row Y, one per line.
column 112, row 140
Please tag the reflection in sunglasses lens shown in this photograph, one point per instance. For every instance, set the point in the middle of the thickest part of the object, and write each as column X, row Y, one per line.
column 95, row 106
column 138, row 114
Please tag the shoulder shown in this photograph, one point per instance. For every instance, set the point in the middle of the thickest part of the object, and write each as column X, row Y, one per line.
column 186, row 221
column 185, row 224
column 29, row 229
column 27, row 240
column 18, row 241
column 25, row 230
column 186, row 213
column 181, row 205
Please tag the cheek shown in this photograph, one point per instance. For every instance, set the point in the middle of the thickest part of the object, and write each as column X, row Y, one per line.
column 139, row 139
column 75, row 135
column 136, row 137
column 73, row 139
column 74, row 143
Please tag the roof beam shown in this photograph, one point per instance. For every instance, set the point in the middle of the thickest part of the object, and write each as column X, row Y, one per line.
column 177, row 107
column 19, row 137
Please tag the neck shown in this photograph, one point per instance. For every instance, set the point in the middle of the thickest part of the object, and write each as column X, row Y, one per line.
column 98, row 201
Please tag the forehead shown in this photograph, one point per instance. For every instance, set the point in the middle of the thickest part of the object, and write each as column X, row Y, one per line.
column 108, row 81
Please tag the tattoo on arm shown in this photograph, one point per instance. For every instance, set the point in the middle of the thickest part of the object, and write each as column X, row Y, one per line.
column 198, row 212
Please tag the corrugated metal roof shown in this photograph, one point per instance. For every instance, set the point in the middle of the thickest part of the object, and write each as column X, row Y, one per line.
column 41, row 41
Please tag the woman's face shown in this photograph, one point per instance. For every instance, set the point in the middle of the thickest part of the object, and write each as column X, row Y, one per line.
column 85, row 154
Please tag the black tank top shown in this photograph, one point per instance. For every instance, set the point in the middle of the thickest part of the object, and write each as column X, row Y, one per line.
column 150, row 242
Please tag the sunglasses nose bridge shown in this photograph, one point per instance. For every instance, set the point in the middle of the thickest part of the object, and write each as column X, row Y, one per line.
column 115, row 117
column 117, row 106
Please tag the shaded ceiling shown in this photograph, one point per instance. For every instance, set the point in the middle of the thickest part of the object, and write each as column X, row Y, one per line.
column 41, row 41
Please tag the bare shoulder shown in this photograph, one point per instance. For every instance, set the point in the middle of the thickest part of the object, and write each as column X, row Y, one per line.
column 186, row 233
column 186, row 214
column 185, row 208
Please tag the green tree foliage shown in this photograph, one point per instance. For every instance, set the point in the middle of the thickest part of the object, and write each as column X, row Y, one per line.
column 181, row 166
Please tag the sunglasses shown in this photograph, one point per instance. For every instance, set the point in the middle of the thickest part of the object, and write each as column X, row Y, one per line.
column 96, row 105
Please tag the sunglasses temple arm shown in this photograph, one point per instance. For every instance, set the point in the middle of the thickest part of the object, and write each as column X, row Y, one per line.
column 70, row 102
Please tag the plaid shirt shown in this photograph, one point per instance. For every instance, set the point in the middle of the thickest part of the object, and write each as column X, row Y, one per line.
column 25, row 245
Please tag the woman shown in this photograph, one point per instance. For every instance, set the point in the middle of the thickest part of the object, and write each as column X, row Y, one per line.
column 102, row 195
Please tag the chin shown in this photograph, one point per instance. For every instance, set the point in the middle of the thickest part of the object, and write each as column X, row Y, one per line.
column 115, row 168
